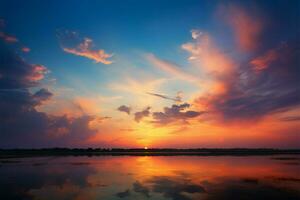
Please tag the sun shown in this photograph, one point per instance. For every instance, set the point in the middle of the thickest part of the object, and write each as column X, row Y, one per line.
column 145, row 148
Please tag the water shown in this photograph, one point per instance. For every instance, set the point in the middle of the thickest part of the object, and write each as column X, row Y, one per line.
column 155, row 178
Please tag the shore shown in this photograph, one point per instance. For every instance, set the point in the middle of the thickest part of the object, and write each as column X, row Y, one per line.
column 13, row 153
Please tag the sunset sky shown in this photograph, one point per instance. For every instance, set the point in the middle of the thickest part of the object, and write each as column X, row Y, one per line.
column 141, row 73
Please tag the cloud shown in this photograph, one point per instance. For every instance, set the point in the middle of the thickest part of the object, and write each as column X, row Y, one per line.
column 38, row 73
column 170, row 68
column 251, row 95
column 138, row 116
column 290, row 118
column 207, row 56
column 16, row 73
column 262, row 62
column 247, row 27
column 25, row 49
column 124, row 194
column 174, row 114
column 125, row 109
column 176, row 99
column 42, row 95
column 21, row 124
column 8, row 38
column 71, row 43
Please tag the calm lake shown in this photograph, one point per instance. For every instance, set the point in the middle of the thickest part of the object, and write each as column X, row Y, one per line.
column 151, row 177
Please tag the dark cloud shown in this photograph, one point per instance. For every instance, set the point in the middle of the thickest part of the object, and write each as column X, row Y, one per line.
column 125, row 109
column 140, row 188
column 175, row 188
column 174, row 113
column 42, row 95
column 124, row 194
column 15, row 73
column 21, row 124
column 138, row 116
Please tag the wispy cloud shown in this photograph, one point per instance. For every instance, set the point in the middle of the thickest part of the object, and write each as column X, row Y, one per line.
column 290, row 118
column 171, row 68
column 8, row 38
column 246, row 25
column 207, row 55
column 262, row 62
column 176, row 99
column 73, row 44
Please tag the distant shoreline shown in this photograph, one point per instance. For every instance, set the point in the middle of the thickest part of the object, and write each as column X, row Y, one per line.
column 14, row 153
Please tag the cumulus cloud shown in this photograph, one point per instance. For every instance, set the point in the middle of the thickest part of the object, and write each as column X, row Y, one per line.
column 21, row 124
column 125, row 109
column 42, row 95
column 16, row 73
column 138, row 116
column 174, row 114
column 73, row 44
column 262, row 83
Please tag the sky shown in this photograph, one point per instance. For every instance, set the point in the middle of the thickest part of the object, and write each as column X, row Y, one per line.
column 156, row 74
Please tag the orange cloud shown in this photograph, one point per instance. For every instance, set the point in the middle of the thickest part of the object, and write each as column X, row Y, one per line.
column 8, row 38
column 84, row 49
column 246, row 27
column 207, row 55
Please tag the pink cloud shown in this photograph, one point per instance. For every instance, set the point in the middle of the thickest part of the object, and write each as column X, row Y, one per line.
column 246, row 27
column 38, row 73
column 207, row 55
column 262, row 62
column 8, row 38
column 25, row 49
